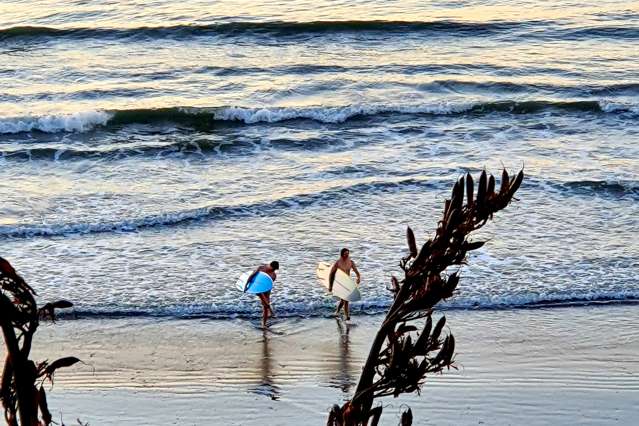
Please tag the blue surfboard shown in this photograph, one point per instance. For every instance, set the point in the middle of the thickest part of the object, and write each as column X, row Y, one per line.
column 261, row 283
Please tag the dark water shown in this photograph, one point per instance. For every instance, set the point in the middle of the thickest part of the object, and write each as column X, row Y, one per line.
column 152, row 151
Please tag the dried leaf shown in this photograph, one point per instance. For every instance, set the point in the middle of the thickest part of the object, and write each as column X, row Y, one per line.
column 438, row 329
column 452, row 220
column 457, row 200
column 407, row 418
column 490, row 190
column 505, row 182
column 516, row 183
column 404, row 328
column 451, row 350
column 60, row 363
column 62, row 304
column 44, row 407
column 422, row 340
column 412, row 245
column 423, row 254
column 470, row 187
column 452, row 281
column 395, row 284
column 462, row 188
column 473, row 246
column 481, row 189
column 441, row 355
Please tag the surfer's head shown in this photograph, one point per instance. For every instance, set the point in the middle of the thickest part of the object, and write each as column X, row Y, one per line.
column 344, row 253
column 275, row 265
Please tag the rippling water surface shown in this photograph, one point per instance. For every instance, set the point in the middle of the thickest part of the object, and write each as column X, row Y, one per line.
column 151, row 151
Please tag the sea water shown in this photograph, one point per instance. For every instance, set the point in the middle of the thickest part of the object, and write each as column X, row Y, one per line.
column 152, row 151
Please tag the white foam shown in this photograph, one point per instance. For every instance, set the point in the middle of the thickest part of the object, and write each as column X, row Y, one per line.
column 337, row 114
column 75, row 122
column 130, row 225
column 611, row 107
column 88, row 120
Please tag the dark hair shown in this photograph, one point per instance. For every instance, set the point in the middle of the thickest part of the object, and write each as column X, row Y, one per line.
column 344, row 250
column 275, row 265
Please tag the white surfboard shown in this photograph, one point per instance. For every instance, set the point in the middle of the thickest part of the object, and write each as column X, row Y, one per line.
column 343, row 286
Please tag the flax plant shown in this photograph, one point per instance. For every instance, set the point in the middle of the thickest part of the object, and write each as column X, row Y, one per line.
column 408, row 347
column 22, row 386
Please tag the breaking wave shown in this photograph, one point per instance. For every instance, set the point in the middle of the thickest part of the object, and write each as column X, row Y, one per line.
column 208, row 118
column 77, row 122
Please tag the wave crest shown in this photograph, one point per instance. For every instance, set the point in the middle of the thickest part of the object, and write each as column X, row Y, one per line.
column 207, row 118
column 274, row 207
column 526, row 28
column 272, row 28
column 78, row 122
column 618, row 188
column 207, row 212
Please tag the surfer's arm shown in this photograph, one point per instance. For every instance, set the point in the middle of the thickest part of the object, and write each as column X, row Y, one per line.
column 356, row 272
column 331, row 277
column 250, row 278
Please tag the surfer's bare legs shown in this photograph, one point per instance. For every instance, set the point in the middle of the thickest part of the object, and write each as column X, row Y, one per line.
column 265, row 298
column 343, row 304
column 264, row 309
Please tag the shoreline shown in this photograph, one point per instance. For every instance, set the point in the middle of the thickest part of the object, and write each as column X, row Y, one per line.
column 357, row 309
column 571, row 365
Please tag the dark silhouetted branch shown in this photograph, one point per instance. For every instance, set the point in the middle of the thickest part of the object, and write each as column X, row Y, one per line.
column 403, row 351
column 24, row 400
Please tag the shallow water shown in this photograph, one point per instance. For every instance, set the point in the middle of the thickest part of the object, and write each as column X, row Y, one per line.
column 150, row 152
column 572, row 365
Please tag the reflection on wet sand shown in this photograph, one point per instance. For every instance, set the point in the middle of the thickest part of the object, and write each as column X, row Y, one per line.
column 266, row 384
column 288, row 357
column 344, row 377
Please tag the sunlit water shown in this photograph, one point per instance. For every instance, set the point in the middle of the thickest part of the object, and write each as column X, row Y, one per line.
column 153, row 151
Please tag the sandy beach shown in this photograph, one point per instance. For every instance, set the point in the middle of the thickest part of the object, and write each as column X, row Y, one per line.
column 571, row 365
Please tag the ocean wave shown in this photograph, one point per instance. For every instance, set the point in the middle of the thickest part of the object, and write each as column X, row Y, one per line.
column 208, row 118
column 270, row 28
column 178, row 146
column 212, row 212
column 614, row 188
column 528, row 29
column 629, row 32
column 302, row 200
column 406, row 69
column 110, row 151
column 322, row 308
column 617, row 189
column 52, row 123
column 492, row 87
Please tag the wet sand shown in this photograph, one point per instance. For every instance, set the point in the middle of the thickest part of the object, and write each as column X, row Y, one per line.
column 560, row 365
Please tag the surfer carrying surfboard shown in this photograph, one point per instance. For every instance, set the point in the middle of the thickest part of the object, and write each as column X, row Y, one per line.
column 344, row 264
column 265, row 297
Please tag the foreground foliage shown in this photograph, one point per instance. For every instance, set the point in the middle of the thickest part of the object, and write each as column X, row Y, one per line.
column 401, row 356
column 22, row 388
